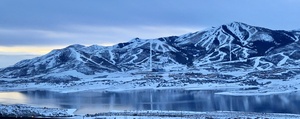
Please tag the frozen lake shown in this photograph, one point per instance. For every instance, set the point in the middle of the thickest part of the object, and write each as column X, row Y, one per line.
column 178, row 100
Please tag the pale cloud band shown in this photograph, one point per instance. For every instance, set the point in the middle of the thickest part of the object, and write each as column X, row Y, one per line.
column 37, row 41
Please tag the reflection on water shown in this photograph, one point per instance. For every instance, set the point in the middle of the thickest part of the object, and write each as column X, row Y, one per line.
column 180, row 100
column 12, row 98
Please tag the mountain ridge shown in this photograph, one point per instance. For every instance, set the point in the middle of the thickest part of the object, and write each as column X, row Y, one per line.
column 233, row 43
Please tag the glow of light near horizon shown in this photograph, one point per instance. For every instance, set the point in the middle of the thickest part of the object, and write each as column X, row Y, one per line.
column 26, row 50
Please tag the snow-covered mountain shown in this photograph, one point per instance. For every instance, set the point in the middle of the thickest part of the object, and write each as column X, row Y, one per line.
column 233, row 45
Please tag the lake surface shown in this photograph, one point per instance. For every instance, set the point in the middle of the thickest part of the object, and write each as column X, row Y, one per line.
column 179, row 100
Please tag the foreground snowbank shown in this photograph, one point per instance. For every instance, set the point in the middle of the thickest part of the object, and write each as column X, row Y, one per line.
column 28, row 111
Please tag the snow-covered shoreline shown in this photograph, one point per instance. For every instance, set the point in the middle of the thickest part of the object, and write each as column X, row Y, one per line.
column 277, row 87
column 249, row 82
column 224, row 90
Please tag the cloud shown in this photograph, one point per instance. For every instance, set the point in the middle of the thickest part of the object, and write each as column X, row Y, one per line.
column 128, row 32
column 86, row 35
column 39, row 41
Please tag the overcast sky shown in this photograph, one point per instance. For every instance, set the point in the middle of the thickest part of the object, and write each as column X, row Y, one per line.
column 37, row 26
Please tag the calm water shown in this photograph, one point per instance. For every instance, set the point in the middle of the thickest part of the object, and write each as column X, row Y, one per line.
column 180, row 100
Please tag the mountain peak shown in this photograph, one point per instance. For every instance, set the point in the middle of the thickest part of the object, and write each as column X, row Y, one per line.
column 236, row 23
column 76, row 46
